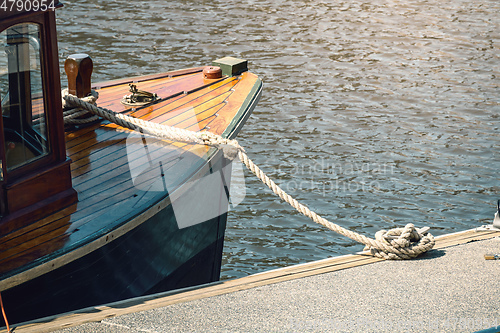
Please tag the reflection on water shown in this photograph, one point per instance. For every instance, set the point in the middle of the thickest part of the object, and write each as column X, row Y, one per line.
column 382, row 112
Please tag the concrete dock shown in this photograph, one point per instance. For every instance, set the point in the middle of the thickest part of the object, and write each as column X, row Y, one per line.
column 452, row 288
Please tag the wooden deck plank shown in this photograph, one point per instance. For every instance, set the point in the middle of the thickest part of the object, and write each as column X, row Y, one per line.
column 95, row 152
column 241, row 91
column 89, row 217
column 10, row 234
column 168, row 85
column 87, row 220
column 142, row 78
column 146, row 113
column 169, row 109
column 116, row 157
column 21, row 238
column 84, row 165
column 48, row 242
column 120, row 170
column 116, row 181
column 149, row 113
column 191, row 110
column 39, row 239
column 199, row 119
column 164, row 88
column 87, row 136
column 80, row 135
column 106, row 158
column 32, row 249
column 95, row 146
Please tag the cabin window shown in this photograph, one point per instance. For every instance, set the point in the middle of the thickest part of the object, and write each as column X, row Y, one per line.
column 22, row 97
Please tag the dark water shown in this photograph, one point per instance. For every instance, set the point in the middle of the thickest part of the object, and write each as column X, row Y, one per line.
column 374, row 113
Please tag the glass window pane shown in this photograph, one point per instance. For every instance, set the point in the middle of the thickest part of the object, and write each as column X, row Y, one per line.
column 21, row 93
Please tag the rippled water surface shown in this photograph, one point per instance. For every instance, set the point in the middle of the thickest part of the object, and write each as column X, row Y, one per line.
column 374, row 113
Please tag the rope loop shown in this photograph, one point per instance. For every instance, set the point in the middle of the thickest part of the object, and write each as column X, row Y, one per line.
column 405, row 243
column 230, row 147
column 78, row 115
column 398, row 243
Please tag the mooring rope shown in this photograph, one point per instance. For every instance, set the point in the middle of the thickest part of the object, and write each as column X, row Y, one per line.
column 4, row 315
column 398, row 243
column 73, row 115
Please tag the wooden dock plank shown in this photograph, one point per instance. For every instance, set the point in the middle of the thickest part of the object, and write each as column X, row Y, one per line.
column 98, row 313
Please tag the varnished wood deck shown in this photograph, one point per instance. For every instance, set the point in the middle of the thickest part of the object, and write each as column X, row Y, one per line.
column 101, row 155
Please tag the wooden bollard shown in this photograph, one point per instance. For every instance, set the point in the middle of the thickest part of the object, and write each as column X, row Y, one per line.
column 78, row 68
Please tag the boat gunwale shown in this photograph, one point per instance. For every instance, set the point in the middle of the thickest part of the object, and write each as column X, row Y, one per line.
column 244, row 112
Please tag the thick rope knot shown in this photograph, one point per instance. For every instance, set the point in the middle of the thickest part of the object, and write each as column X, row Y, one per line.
column 78, row 115
column 401, row 243
column 229, row 147
column 92, row 98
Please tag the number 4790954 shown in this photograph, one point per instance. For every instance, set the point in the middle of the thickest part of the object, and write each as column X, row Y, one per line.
column 26, row 5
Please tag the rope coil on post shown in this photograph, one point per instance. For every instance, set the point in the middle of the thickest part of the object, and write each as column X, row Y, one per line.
column 72, row 115
column 399, row 243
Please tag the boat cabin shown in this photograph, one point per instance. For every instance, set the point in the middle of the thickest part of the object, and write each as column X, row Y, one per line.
column 35, row 175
